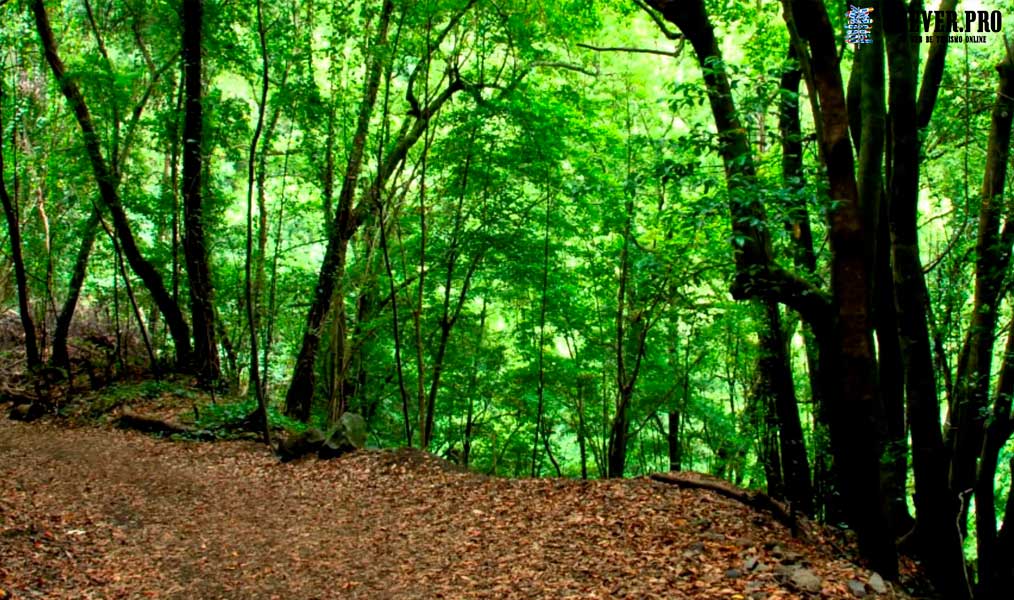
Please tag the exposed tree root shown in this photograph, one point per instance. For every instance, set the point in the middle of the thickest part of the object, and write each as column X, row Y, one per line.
column 758, row 500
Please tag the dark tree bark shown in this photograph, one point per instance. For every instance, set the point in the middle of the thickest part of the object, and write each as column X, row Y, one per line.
column 202, row 311
column 993, row 253
column 106, row 181
column 14, row 236
column 844, row 327
column 60, row 357
column 995, row 550
column 805, row 260
column 857, row 457
column 757, row 275
column 451, row 311
column 867, row 115
column 776, row 383
column 620, row 426
column 936, row 510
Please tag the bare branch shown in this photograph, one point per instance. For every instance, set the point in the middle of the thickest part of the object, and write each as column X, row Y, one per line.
column 674, row 53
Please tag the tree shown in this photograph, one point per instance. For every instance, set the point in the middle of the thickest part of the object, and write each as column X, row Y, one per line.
column 194, row 245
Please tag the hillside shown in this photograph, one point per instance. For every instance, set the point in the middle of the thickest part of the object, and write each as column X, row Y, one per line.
column 100, row 513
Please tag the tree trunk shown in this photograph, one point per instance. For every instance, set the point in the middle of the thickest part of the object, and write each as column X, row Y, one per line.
column 332, row 271
column 995, row 561
column 202, row 312
column 856, row 456
column 541, row 391
column 252, row 293
column 14, row 235
column 935, row 508
column 108, row 192
column 61, row 357
column 993, row 252
column 776, row 377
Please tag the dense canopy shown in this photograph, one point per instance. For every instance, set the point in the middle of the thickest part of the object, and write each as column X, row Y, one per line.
column 766, row 241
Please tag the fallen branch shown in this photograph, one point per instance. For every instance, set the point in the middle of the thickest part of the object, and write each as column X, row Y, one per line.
column 757, row 500
column 147, row 424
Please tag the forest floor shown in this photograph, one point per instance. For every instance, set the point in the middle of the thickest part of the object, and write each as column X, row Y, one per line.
column 96, row 512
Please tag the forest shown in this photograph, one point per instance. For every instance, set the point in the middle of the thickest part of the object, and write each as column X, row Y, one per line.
column 766, row 241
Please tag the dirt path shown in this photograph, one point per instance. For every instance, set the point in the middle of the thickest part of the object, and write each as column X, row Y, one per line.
column 94, row 513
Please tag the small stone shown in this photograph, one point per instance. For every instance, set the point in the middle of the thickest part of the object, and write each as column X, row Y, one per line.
column 733, row 574
column 750, row 563
column 804, row 580
column 712, row 536
column 857, row 588
column 877, row 584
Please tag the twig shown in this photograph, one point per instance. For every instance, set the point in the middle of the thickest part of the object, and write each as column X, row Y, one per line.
column 568, row 66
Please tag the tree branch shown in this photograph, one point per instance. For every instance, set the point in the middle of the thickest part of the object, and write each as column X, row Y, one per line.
column 672, row 35
column 674, row 54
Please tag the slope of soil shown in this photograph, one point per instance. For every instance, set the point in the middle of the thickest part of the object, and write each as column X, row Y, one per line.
column 98, row 513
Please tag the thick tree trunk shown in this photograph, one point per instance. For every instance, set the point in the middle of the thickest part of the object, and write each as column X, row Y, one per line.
column 106, row 182
column 202, row 311
column 14, row 235
column 867, row 118
column 857, row 457
column 848, row 359
column 936, row 509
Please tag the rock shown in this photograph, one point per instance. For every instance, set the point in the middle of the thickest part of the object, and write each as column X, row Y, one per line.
column 26, row 412
column 802, row 579
column 348, row 436
column 857, row 588
column 754, row 590
column 733, row 574
column 877, row 584
column 300, row 444
column 355, row 429
column 750, row 563
column 786, row 557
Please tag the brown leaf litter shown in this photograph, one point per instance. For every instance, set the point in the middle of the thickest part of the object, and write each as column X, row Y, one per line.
column 99, row 513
